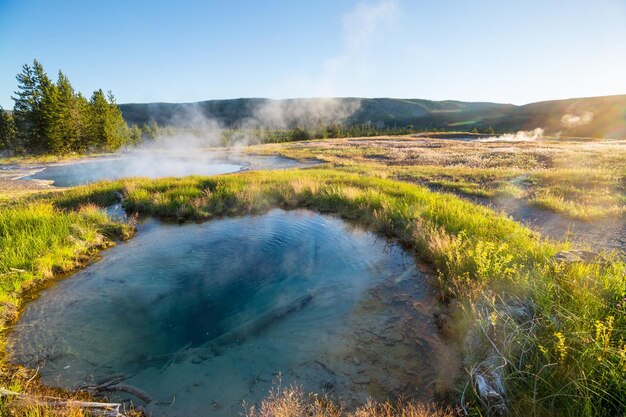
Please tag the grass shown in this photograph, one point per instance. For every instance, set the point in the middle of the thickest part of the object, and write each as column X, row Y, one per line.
column 580, row 179
column 39, row 241
column 47, row 158
column 294, row 402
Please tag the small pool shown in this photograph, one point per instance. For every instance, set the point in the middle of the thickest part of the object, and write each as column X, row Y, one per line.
column 205, row 316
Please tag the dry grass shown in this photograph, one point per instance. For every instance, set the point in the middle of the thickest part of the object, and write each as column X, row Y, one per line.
column 294, row 402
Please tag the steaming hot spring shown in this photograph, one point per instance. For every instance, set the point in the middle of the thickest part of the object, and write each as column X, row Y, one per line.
column 155, row 164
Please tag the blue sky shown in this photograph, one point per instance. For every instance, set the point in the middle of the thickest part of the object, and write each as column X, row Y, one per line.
column 515, row 51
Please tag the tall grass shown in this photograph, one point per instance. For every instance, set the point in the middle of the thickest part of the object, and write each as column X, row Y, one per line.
column 38, row 241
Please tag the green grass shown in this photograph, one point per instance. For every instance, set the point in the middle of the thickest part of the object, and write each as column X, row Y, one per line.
column 38, row 241
column 567, row 359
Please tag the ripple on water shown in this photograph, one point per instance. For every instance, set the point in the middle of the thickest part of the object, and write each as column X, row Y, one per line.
column 205, row 316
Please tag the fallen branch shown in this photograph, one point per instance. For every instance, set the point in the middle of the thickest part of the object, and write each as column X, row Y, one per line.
column 129, row 389
column 93, row 408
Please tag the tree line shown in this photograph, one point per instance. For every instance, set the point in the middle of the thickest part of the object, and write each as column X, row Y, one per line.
column 52, row 118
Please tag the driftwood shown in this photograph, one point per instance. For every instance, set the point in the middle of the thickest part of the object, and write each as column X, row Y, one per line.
column 93, row 408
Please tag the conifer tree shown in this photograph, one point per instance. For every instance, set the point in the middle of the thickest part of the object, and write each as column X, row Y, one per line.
column 135, row 135
column 82, row 108
column 30, row 121
column 120, row 134
column 52, row 118
column 97, row 130
column 69, row 123
column 26, row 105
column 7, row 131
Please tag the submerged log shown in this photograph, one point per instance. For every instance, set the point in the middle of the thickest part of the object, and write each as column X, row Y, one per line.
column 254, row 326
column 238, row 334
column 92, row 408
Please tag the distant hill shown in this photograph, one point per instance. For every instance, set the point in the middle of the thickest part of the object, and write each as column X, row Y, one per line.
column 594, row 116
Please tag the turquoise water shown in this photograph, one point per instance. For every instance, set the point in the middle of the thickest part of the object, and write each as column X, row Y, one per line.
column 205, row 316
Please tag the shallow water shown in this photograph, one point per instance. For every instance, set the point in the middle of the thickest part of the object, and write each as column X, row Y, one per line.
column 154, row 164
column 205, row 316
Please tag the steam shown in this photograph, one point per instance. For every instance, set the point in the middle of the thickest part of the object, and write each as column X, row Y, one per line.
column 308, row 113
column 361, row 27
column 190, row 129
column 576, row 120
column 521, row 136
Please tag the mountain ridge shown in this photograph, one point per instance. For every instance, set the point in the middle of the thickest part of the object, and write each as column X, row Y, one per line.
column 602, row 116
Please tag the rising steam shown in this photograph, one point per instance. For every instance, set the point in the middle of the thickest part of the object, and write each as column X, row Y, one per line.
column 521, row 136
column 576, row 120
column 285, row 114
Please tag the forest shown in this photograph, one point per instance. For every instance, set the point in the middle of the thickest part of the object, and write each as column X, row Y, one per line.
column 52, row 118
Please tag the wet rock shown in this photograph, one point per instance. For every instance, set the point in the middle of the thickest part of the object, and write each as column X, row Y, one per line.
column 215, row 405
column 489, row 391
column 118, row 196
column 356, row 361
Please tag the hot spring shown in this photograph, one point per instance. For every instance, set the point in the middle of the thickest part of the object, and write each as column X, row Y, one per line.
column 205, row 316
column 156, row 164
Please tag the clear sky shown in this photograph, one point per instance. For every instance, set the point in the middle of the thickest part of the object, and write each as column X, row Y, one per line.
column 515, row 51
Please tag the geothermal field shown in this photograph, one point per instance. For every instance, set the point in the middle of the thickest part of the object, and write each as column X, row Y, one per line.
column 304, row 267
column 357, row 208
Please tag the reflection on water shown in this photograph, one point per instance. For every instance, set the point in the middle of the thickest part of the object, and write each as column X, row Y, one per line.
column 155, row 164
column 205, row 316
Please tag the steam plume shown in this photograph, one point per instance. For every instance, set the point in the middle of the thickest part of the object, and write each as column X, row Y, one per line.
column 576, row 120
column 521, row 136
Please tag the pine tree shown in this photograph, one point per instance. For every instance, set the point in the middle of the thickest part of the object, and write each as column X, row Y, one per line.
column 135, row 135
column 120, row 134
column 82, row 109
column 7, row 132
column 26, row 103
column 97, row 118
column 69, row 123
column 51, row 141
column 33, row 85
